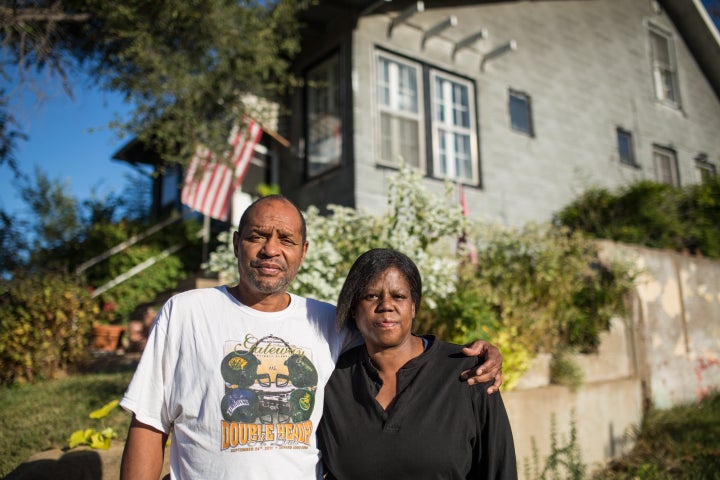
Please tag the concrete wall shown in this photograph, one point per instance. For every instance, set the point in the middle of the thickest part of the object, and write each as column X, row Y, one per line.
column 677, row 318
column 666, row 353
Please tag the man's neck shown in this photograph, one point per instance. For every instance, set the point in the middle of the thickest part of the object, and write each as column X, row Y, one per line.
column 271, row 302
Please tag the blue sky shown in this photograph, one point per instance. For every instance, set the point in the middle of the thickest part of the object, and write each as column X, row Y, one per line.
column 68, row 141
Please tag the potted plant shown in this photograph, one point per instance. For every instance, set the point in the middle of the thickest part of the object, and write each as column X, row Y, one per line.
column 106, row 331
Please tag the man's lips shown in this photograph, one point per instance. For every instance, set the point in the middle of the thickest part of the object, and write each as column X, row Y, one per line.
column 268, row 268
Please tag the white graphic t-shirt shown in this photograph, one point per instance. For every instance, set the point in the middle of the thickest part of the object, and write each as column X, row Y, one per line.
column 242, row 390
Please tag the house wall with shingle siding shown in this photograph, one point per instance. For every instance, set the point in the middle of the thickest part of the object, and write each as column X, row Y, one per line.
column 587, row 69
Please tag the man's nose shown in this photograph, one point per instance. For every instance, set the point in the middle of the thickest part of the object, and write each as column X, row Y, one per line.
column 272, row 246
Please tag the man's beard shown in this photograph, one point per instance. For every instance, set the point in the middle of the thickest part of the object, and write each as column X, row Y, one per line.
column 268, row 285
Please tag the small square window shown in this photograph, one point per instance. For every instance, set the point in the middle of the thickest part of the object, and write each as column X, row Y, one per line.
column 520, row 113
column 626, row 152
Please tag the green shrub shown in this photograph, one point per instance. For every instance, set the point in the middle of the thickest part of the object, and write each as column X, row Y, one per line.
column 45, row 323
column 120, row 301
column 651, row 214
column 549, row 286
column 565, row 371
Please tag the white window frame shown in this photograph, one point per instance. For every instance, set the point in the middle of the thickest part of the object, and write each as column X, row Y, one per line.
column 324, row 123
column 666, row 166
column 665, row 72
column 450, row 129
column 394, row 110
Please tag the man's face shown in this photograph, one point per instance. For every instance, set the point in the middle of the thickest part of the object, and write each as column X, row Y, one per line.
column 270, row 249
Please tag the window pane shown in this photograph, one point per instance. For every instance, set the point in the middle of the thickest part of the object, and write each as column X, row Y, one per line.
column 665, row 166
column 660, row 48
column 399, row 140
column 625, row 148
column 463, row 158
column 520, row 113
column 452, row 126
column 460, row 103
column 324, row 125
column 398, row 101
column 664, row 68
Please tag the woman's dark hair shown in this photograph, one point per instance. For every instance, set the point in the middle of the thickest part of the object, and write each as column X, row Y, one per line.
column 364, row 271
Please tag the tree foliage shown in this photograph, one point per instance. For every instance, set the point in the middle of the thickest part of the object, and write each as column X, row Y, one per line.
column 184, row 65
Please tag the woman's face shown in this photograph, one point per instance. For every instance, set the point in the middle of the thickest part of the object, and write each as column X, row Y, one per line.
column 385, row 312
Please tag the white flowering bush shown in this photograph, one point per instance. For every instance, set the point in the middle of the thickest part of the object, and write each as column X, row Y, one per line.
column 422, row 225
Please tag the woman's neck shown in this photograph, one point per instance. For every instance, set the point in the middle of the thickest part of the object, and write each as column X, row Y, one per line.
column 390, row 360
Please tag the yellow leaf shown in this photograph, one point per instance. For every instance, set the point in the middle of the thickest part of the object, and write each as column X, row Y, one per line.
column 104, row 410
column 77, row 438
column 98, row 440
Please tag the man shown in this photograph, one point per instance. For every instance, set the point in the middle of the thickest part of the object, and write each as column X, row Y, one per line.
column 238, row 373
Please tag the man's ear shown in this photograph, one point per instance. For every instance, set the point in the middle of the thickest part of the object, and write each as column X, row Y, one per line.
column 305, row 249
column 236, row 239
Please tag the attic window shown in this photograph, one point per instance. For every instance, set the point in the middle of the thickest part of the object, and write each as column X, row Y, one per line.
column 664, row 67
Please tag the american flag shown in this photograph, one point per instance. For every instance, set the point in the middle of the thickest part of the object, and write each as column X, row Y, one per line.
column 209, row 184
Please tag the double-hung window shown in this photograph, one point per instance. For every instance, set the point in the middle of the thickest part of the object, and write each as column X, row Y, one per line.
column 399, row 100
column 664, row 67
column 324, row 123
column 666, row 167
column 453, row 127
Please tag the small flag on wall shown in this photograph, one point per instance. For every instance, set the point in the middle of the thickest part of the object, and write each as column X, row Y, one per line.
column 209, row 184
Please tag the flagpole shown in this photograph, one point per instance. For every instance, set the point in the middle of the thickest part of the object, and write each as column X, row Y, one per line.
column 205, row 238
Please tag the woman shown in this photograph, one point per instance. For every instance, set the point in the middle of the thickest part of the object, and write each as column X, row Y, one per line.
column 395, row 407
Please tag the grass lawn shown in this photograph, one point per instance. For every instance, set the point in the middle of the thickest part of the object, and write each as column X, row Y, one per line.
column 39, row 417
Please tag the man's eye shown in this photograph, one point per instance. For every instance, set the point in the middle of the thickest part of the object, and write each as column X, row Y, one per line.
column 371, row 296
column 287, row 241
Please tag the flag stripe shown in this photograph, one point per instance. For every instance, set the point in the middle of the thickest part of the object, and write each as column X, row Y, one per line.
column 210, row 192
column 244, row 150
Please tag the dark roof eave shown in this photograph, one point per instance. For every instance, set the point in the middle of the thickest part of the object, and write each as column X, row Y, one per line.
column 700, row 35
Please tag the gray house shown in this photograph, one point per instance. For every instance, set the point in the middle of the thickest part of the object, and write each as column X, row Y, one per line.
column 526, row 103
